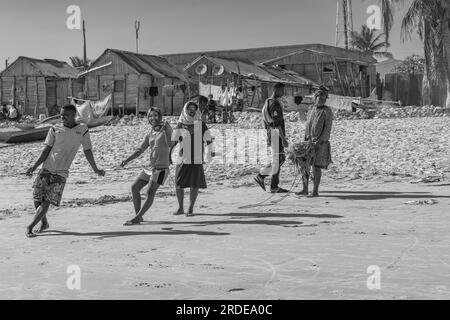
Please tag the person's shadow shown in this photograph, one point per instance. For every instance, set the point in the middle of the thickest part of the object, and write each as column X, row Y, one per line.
column 114, row 234
column 378, row 195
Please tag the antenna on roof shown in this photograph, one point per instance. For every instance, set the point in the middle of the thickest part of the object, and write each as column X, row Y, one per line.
column 137, row 26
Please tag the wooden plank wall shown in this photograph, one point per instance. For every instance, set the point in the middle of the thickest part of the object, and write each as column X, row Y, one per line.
column 30, row 93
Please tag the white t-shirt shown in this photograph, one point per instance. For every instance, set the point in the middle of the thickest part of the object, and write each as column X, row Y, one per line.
column 65, row 143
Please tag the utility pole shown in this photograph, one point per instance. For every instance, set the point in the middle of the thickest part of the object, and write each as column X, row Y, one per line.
column 84, row 44
column 350, row 18
column 137, row 26
column 336, row 40
column 344, row 11
column 344, row 20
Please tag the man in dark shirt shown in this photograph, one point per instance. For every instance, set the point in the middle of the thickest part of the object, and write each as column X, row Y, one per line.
column 276, row 139
column 211, row 109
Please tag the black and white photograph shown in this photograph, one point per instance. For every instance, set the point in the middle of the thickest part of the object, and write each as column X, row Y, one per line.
column 251, row 151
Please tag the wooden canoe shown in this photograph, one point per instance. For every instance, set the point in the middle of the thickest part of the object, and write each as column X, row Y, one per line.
column 37, row 134
column 24, row 136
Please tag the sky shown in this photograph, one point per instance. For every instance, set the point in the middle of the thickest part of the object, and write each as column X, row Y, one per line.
column 38, row 28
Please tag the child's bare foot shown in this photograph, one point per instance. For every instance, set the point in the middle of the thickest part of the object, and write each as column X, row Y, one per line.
column 180, row 211
column 29, row 233
column 42, row 227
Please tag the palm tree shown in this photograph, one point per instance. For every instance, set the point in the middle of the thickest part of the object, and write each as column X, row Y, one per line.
column 79, row 63
column 387, row 11
column 368, row 42
column 431, row 20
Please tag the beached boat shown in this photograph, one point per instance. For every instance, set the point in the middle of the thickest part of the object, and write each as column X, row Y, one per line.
column 20, row 136
column 39, row 133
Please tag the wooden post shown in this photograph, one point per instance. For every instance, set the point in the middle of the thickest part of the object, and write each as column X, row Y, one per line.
column 164, row 97
column 87, row 87
column 14, row 93
column 56, row 91
column 25, row 104
column 1, row 90
column 137, row 102
column 171, row 102
column 152, row 99
column 112, row 95
column 125, row 89
column 37, row 96
column 98, row 88
column 45, row 97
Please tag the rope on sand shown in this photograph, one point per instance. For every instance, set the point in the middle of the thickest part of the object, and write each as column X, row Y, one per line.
column 262, row 203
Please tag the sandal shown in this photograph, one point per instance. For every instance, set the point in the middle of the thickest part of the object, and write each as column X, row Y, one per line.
column 189, row 214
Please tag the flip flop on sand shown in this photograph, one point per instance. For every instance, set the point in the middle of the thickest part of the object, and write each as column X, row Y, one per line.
column 189, row 214
column 178, row 213
column 131, row 223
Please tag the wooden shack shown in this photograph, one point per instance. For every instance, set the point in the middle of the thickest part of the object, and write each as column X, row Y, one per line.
column 37, row 86
column 343, row 75
column 138, row 82
column 255, row 80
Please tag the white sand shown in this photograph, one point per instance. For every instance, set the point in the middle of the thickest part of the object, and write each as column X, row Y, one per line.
column 297, row 249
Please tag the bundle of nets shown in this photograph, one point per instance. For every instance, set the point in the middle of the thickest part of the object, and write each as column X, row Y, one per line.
column 301, row 154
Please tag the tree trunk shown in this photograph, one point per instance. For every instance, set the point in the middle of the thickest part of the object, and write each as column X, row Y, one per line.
column 446, row 43
column 426, row 88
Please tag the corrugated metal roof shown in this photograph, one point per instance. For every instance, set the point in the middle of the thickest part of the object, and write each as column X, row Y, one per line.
column 48, row 67
column 250, row 70
column 316, row 53
column 288, row 75
column 154, row 65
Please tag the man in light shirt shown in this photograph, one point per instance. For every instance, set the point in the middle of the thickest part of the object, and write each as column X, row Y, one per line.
column 61, row 146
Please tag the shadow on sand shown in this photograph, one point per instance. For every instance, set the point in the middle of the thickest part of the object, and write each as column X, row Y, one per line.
column 378, row 195
column 272, row 215
column 114, row 234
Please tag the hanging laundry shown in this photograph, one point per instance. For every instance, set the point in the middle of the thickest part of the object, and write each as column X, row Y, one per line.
column 169, row 90
column 207, row 89
column 224, row 98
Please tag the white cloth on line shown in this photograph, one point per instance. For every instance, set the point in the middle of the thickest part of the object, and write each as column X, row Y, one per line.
column 207, row 89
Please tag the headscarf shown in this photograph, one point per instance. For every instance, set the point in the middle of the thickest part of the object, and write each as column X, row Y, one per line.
column 320, row 90
column 185, row 118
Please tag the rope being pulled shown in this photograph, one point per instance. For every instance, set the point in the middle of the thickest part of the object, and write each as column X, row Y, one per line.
column 301, row 155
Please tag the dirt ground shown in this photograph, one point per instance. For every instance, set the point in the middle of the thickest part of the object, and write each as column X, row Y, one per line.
column 284, row 248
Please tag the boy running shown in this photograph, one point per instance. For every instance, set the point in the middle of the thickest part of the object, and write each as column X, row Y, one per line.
column 61, row 146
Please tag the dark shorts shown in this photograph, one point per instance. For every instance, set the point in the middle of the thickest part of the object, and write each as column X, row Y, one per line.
column 48, row 187
column 158, row 176
column 190, row 176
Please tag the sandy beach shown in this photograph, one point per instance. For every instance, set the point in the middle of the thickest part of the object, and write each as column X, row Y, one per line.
column 287, row 247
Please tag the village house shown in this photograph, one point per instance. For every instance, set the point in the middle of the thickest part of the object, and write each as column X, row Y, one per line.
column 138, row 82
column 347, row 72
column 37, row 86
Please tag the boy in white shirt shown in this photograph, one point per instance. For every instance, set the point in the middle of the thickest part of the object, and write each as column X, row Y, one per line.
column 61, row 146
